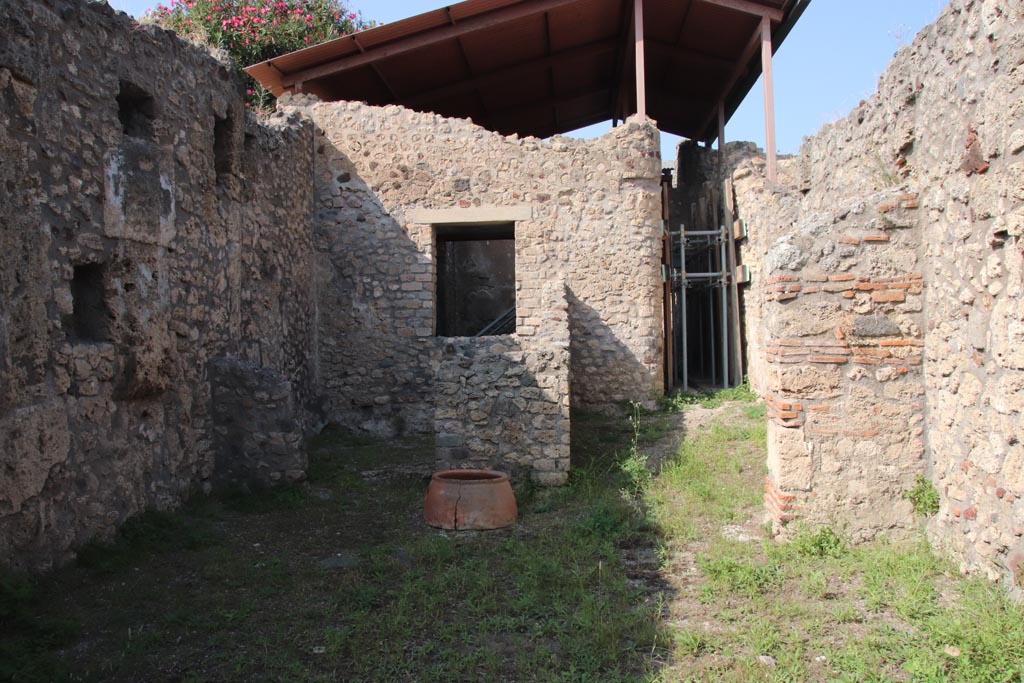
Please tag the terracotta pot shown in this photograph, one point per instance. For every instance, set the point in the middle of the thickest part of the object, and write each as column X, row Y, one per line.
column 469, row 499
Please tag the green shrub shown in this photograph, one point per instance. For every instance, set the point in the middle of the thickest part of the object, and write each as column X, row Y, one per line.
column 253, row 31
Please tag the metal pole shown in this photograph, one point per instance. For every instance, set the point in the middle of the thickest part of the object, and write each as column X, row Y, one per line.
column 638, row 34
column 734, row 297
column 769, row 98
column 684, row 360
column 725, row 316
column 711, row 326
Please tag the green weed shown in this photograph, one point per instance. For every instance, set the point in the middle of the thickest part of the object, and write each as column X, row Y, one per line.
column 923, row 496
column 634, row 464
column 709, row 398
column 243, row 593
column 821, row 542
column 743, row 576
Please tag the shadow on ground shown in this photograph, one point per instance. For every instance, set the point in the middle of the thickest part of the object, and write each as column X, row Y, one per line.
column 340, row 580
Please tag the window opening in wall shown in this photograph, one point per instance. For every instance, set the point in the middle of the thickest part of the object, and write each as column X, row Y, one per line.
column 476, row 280
column 90, row 318
column 136, row 109
column 223, row 155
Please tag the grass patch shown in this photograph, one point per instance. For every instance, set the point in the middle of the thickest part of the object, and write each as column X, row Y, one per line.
column 739, row 576
column 26, row 639
column 709, row 398
column 149, row 533
column 707, row 480
column 622, row 575
column 339, row 579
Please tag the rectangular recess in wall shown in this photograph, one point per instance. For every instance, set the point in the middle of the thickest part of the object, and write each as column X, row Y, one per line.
column 136, row 110
column 223, row 145
column 90, row 317
column 476, row 279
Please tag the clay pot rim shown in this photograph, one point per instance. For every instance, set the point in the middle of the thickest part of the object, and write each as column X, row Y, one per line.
column 470, row 476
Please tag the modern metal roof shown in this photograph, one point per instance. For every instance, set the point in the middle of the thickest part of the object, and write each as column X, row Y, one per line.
column 541, row 67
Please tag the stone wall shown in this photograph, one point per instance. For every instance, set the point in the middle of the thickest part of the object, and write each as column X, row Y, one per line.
column 503, row 402
column 886, row 320
column 586, row 212
column 142, row 238
column 180, row 283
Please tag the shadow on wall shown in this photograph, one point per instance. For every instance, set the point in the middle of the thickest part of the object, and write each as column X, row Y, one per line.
column 375, row 282
column 608, row 357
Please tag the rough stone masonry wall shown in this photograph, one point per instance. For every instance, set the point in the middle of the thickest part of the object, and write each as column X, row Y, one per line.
column 136, row 247
column 586, row 212
column 889, row 291
column 504, row 401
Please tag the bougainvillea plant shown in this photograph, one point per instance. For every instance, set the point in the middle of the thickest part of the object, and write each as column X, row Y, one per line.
column 256, row 30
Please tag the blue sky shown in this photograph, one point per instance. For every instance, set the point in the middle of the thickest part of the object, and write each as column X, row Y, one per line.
column 829, row 63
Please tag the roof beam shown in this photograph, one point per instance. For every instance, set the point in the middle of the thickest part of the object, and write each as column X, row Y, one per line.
column 427, row 38
column 471, row 84
column 748, row 7
column 376, row 69
column 599, row 89
column 623, row 62
column 571, row 124
column 465, row 60
column 742, row 67
column 700, row 59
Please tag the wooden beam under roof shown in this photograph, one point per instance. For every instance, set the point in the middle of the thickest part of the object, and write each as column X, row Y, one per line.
column 376, row 69
column 748, row 7
column 597, row 90
column 742, row 67
column 588, row 50
column 700, row 59
column 622, row 60
column 426, row 38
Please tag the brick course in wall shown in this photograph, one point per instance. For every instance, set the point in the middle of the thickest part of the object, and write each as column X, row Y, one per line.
column 885, row 316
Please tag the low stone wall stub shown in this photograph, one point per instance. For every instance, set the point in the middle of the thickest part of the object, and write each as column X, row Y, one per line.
column 503, row 402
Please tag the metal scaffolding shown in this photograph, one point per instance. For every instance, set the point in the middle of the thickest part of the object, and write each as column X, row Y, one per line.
column 703, row 297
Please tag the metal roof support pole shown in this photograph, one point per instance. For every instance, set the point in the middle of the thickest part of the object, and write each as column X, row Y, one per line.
column 638, row 35
column 769, row 98
column 736, row 365
column 724, row 305
column 684, row 359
